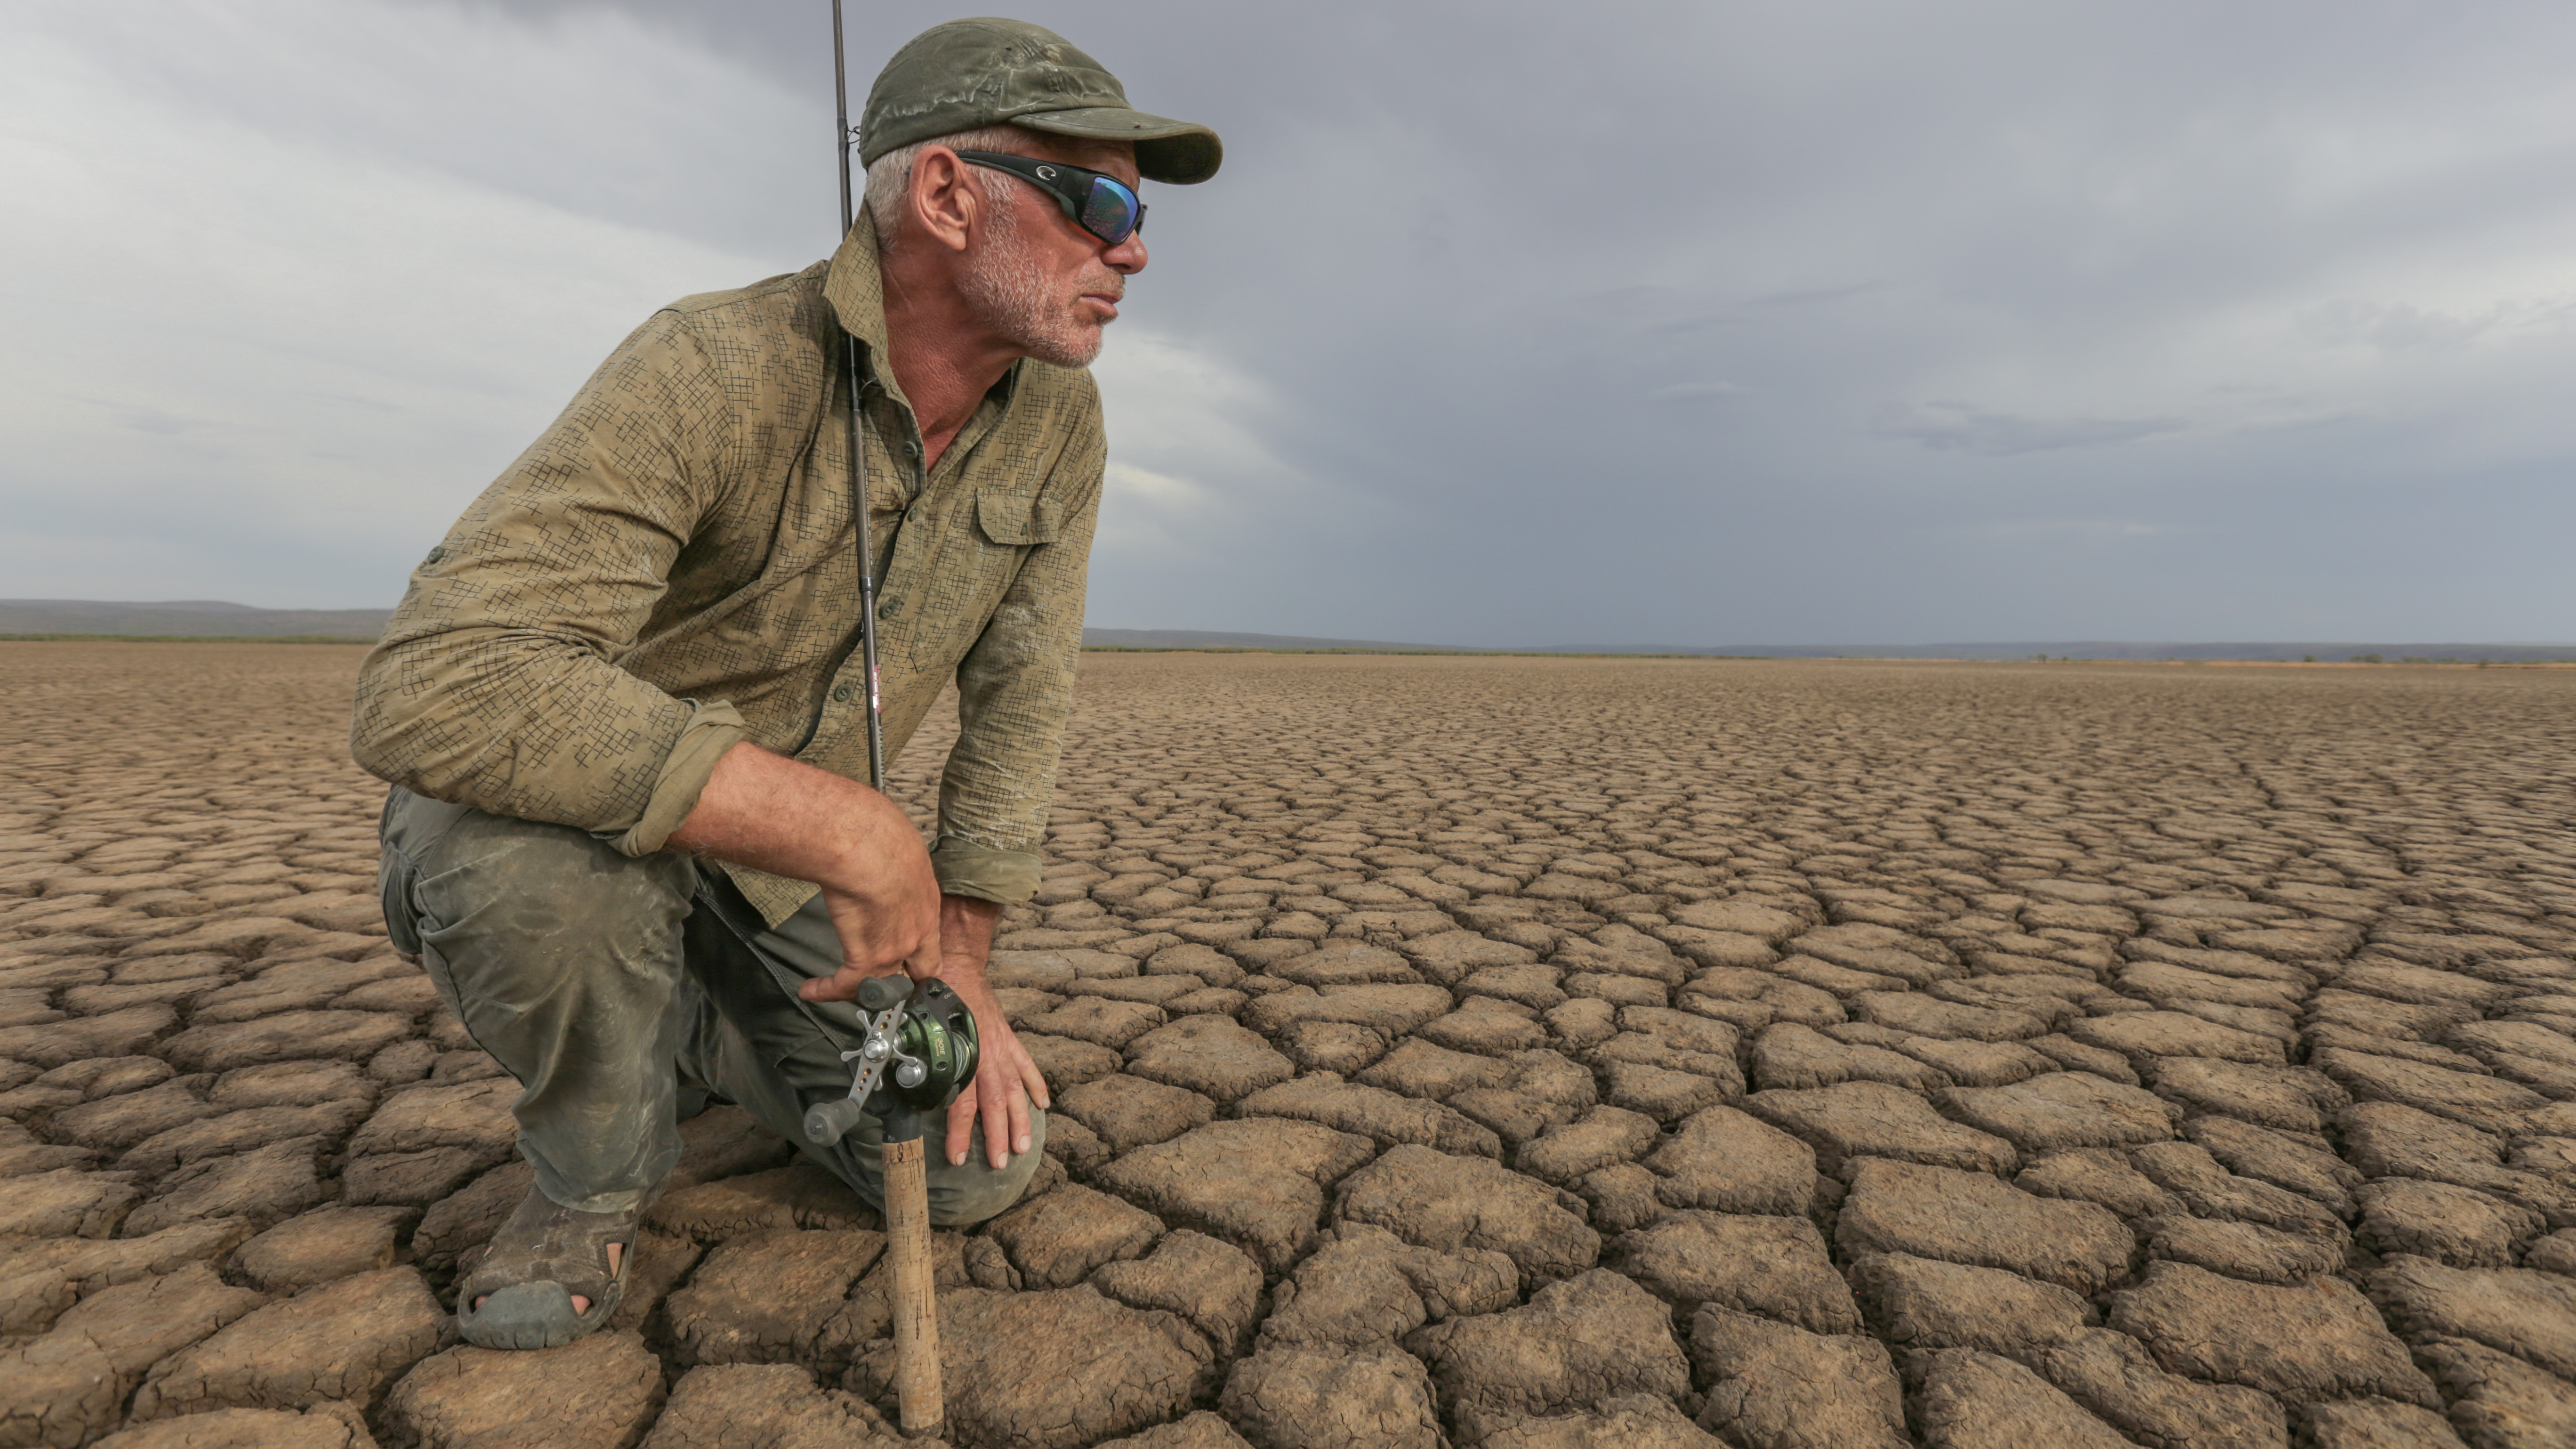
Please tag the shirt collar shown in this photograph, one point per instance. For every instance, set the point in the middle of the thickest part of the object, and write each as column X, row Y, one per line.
column 855, row 287
column 854, row 284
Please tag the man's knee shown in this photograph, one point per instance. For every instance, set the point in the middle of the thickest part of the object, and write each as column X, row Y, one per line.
column 965, row 1195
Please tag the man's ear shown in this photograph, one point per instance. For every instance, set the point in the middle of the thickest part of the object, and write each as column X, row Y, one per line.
column 945, row 200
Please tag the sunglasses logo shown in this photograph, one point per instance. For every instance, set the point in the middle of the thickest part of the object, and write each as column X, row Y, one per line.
column 1046, row 173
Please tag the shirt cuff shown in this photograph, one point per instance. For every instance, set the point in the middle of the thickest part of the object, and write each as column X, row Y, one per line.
column 712, row 729
column 979, row 872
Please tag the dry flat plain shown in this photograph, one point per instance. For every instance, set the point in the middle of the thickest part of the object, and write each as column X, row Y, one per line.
column 1513, row 1053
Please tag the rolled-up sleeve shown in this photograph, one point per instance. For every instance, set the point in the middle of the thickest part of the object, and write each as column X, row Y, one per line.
column 496, row 683
column 1014, row 693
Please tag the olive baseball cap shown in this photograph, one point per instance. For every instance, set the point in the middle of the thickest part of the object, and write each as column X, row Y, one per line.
column 968, row 74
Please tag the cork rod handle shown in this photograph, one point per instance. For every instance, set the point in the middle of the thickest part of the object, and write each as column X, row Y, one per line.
column 916, row 1314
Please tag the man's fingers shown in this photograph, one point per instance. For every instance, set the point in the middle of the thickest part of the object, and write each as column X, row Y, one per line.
column 997, row 1125
column 876, row 940
column 841, row 985
column 961, row 1128
column 1020, row 1141
column 859, row 961
column 996, row 1096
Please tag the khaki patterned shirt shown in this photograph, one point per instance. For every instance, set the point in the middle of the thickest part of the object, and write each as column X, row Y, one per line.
column 673, row 567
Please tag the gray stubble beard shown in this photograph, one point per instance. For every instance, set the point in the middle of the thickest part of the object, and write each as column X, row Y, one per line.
column 1011, row 293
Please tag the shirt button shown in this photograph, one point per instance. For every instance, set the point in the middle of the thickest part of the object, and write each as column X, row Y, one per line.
column 912, row 450
column 890, row 608
column 841, row 693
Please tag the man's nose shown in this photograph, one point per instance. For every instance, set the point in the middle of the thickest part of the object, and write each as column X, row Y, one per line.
column 1128, row 257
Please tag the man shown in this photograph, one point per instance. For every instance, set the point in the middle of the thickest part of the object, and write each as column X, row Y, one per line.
column 622, row 705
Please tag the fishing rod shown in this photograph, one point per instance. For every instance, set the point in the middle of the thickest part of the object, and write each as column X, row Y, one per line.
column 920, row 1397
column 848, row 140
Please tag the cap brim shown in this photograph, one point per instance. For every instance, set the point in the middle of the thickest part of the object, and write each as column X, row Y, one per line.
column 1176, row 153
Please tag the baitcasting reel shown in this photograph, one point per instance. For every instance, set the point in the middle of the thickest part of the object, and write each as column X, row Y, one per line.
column 919, row 1053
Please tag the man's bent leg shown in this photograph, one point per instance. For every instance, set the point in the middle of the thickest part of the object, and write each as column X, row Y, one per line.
column 762, row 1047
column 562, row 959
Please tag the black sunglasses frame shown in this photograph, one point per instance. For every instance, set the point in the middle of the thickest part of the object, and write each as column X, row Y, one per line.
column 1071, row 186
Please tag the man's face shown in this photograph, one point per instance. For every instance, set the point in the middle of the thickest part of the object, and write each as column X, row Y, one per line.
column 1039, row 280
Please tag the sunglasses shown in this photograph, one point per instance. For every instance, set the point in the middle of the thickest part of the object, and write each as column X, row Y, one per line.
column 1099, row 203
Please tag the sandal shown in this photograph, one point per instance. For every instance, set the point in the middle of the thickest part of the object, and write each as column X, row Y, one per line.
column 538, row 1261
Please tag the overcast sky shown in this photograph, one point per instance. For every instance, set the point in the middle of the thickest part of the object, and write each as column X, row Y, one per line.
column 1506, row 323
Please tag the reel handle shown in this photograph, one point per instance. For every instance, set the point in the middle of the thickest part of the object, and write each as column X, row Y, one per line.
column 827, row 1122
column 882, row 993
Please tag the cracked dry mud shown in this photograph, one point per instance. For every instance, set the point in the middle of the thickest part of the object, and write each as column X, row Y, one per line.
column 1516, row 1053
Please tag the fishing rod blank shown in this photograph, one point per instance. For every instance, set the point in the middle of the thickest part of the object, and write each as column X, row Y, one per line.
column 848, row 140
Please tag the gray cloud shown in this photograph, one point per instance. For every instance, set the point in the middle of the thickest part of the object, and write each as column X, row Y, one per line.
column 1505, row 324
column 1965, row 428
column 1694, row 392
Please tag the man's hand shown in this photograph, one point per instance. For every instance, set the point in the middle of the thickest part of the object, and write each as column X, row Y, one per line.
column 771, row 813
column 1007, row 1080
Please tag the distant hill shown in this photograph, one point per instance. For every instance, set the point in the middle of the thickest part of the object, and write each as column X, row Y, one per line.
column 184, row 618
column 2059, row 649
column 200, row 618
column 1202, row 639
column 2097, row 649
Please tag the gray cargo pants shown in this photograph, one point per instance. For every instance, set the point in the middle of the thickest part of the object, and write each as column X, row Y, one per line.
column 614, row 988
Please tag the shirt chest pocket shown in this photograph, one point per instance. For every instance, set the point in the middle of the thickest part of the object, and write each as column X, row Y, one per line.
column 1017, row 520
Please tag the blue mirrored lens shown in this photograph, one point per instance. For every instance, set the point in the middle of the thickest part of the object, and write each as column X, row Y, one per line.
column 1112, row 212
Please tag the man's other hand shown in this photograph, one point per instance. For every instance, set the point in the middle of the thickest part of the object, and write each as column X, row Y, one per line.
column 770, row 813
column 1007, row 1079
